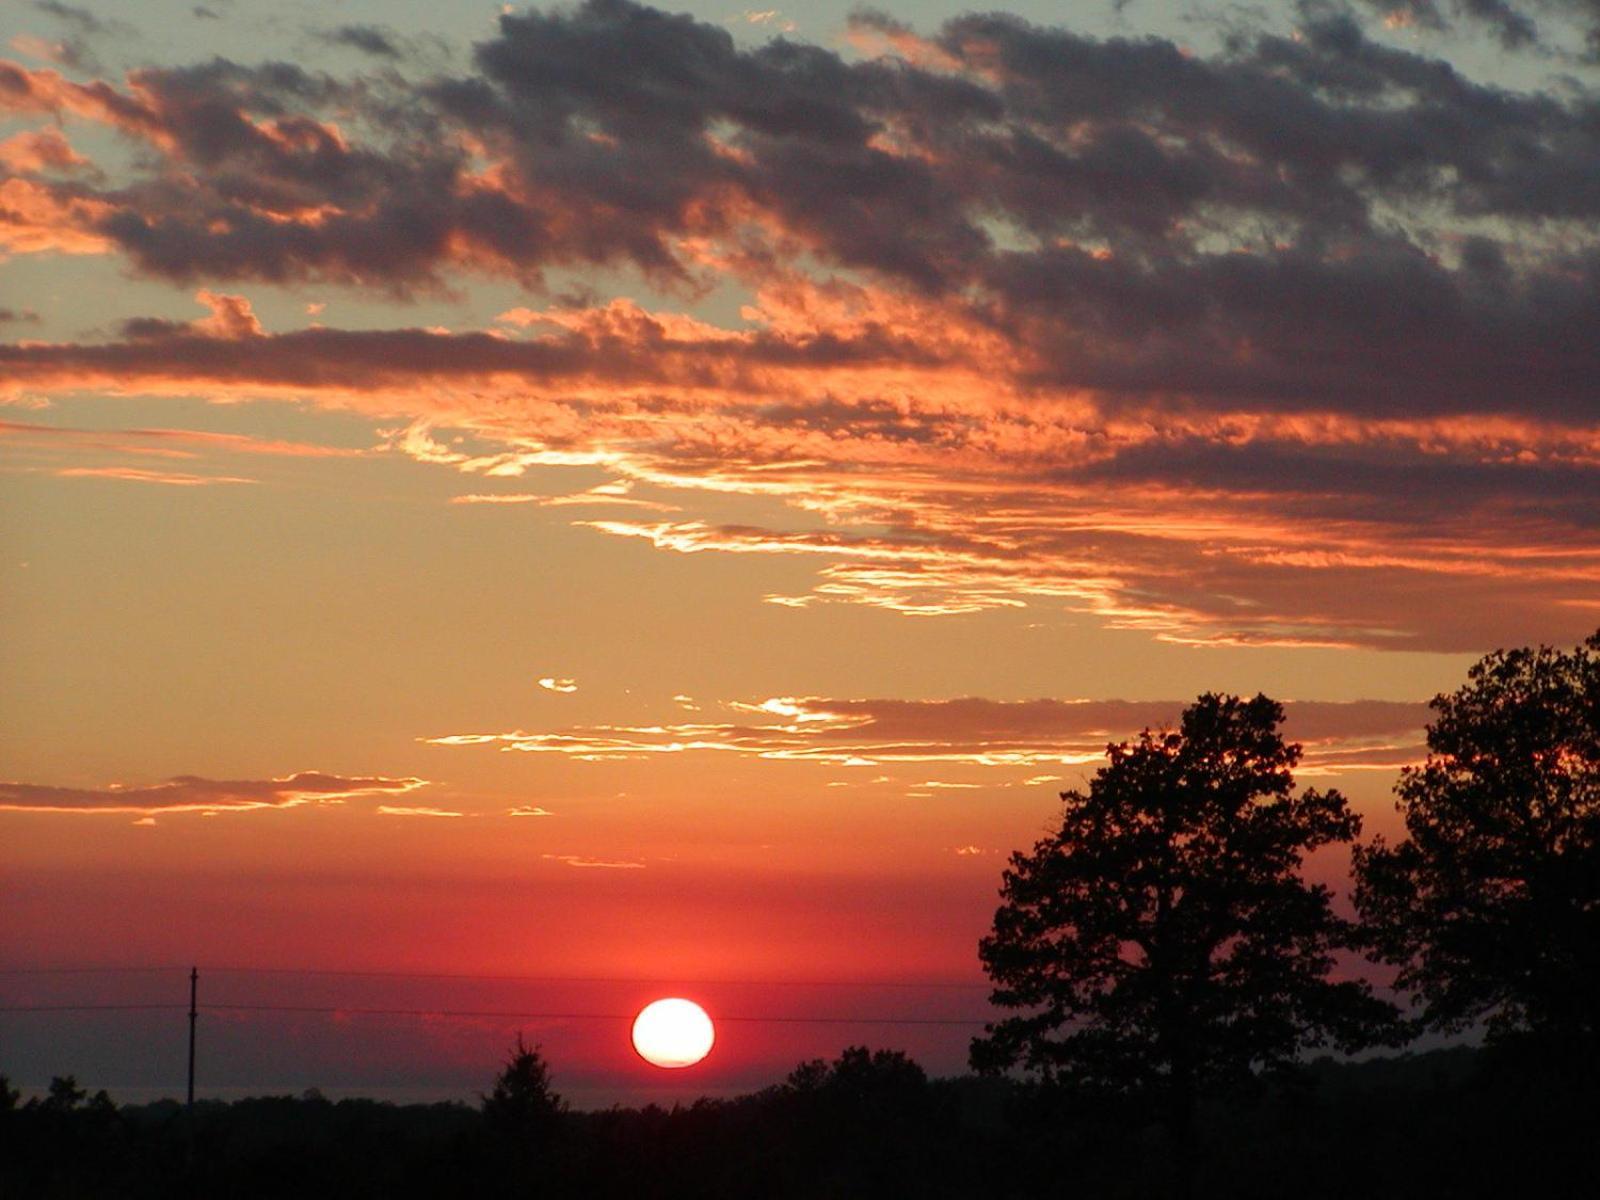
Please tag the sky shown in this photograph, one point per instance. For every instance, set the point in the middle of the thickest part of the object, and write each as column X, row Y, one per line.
column 524, row 510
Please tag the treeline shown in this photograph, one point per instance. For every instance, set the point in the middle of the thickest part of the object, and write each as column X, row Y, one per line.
column 1450, row 1123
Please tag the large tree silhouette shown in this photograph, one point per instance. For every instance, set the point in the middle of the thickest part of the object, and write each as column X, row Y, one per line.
column 1490, row 906
column 1163, row 941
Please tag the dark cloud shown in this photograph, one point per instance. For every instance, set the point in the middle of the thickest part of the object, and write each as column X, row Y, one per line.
column 80, row 19
column 1335, row 205
column 1316, row 280
column 85, row 26
column 190, row 793
column 369, row 39
column 10, row 316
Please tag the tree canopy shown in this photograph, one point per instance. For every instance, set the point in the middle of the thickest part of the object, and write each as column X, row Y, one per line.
column 1490, row 905
column 1163, row 939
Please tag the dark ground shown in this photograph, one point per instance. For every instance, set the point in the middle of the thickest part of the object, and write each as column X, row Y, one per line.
column 1452, row 1123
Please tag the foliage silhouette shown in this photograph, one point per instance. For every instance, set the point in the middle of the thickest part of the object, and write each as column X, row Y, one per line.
column 1162, row 941
column 522, row 1101
column 1490, row 906
column 1458, row 1123
column 522, row 1119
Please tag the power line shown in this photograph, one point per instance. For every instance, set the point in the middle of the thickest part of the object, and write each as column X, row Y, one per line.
column 354, row 973
column 88, row 970
column 579, row 1016
column 341, row 1010
column 33, row 1008
column 822, row 983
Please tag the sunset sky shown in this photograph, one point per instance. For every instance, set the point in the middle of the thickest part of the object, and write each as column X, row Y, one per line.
column 660, row 502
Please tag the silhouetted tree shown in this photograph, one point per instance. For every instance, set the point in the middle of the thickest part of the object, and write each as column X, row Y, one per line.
column 64, row 1094
column 862, row 1122
column 1162, row 941
column 1490, row 906
column 858, row 1074
column 522, row 1101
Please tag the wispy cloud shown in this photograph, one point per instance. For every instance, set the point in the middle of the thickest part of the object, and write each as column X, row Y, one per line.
column 581, row 860
column 165, row 443
column 551, row 683
column 497, row 498
column 192, row 793
column 1356, row 735
column 604, row 495
column 144, row 475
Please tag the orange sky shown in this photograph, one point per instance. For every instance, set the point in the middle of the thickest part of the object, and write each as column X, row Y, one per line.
column 670, row 499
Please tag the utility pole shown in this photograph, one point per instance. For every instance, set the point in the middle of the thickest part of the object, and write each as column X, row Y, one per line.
column 194, row 984
column 194, row 987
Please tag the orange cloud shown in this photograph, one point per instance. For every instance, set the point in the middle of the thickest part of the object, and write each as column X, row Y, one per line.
column 39, row 150
column 38, row 217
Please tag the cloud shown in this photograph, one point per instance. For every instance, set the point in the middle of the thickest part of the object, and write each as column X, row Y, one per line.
column 580, row 860
column 191, row 793
column 166, row 443
column 40, row 151
column 369, row 39
column 602, row 495
column 1513, row 25
column 1354, row 735
column 1291, row 343
column 395, row 810
column 231, row 317
column 551, row 683
column 528, row 810
column 768, row 18
column 144, row 475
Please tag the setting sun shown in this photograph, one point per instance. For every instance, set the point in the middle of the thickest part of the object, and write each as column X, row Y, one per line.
column 673, row 1033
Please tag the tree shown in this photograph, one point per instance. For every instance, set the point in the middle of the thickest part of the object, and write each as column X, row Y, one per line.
column 522, row 1120
column 1162, row 941
column 64, row 1094
column 859, row 1076
column 864, row 1124
column 1490, row 905
column 522, row 1103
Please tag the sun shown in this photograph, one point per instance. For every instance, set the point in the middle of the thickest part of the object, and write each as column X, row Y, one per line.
column 673, row 1033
